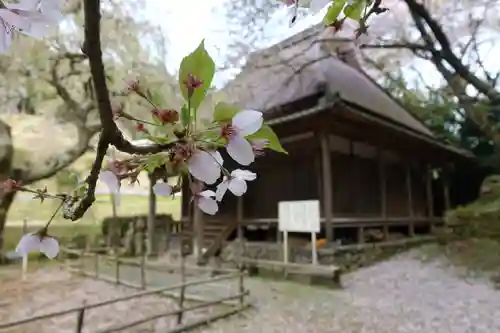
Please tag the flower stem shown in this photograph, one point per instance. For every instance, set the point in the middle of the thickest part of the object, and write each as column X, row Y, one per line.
column 54, row 215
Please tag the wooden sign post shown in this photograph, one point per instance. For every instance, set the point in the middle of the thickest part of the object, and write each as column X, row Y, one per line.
column 299, row 216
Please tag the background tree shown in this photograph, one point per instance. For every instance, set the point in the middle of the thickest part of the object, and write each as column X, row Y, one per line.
column 49, row 98
column 447, row 38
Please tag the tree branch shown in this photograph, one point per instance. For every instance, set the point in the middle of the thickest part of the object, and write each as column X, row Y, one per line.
column 110, row 134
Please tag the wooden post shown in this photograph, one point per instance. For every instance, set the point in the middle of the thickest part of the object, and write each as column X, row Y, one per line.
column 411, row 226
column 197, row 232
column 24, row 269
column 314, row 249
column 25, row 226
column 285, row 251
column 96, row 264
column 446, row 190
column 79, row 320
column 151, row 223
column 383, row 191
column 239, row 217
column 82, row 262
column 429, row 196
column 327, row 194
column 143, row 271
column 117, row 270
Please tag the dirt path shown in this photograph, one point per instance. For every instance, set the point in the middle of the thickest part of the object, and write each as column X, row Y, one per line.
column 401, row 295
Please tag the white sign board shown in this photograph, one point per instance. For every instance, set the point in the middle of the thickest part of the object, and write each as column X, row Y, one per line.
column 299, row 216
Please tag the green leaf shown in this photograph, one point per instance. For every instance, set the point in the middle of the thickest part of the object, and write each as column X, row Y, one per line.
column 355, row 10
column 224, row 112
column 199, row 64
column 155, row 97
column 267, row 133
column 154, row 161
column 334, row 11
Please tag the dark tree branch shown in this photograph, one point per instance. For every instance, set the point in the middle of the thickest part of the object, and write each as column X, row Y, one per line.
column 421, row 14
column 110, row 134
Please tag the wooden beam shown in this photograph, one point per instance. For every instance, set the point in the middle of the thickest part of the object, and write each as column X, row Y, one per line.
column 411, row 213
column 327, row 197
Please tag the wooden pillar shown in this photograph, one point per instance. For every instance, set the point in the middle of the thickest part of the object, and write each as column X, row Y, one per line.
column 429, row 196
column 383, row 191
column 411, row 213
column 151, row 223
column 446, row 190
column 327, row 195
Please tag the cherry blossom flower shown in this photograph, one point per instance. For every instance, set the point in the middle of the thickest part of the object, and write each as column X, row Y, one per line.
column 206, row 202
column 205, row 166
column 30, row 17
column 244, row 123
column 162, row 189
column 236, row 183
column 110, row 179
column 38, row 242
column 258, row 146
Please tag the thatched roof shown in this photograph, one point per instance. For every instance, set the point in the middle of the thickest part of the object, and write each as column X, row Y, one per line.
column 298, row 66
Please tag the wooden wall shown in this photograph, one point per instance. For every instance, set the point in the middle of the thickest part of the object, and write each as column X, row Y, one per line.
column 356, row 181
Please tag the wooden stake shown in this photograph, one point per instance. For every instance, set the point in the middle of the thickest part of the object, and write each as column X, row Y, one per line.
column 314, row 249
column 24, row 269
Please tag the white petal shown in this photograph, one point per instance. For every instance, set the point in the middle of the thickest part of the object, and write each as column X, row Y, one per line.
column 221, row 190
column 111, row 181
column 5, row 37
column 218, row 157
column 28, row 243
column 244, row 175
column 203, row 167
column 238, row 187
column 240, row 150
column 207, row 194
column 317, row 5
column 162, row 189
column 247, row 122
column 208, row 205
column 50, row 247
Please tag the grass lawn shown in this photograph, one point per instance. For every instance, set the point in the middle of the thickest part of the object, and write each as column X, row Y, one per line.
column 37, row 214
column 33, row 210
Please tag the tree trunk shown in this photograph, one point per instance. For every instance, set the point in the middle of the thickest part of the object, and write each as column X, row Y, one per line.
column 5, row 204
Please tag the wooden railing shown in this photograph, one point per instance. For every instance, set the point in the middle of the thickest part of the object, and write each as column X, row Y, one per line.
column 240, row 296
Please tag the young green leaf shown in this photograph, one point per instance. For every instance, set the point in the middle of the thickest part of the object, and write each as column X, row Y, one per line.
column 334, row 11
column 224, row 112
column 355, row 10
column 268, row 134
column 199, row 64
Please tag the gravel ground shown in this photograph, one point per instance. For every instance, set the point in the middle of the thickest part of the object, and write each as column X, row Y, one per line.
column 51, row 289
column 401, row 295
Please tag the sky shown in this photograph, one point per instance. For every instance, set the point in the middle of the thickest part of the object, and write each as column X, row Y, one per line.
column 187, row 22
